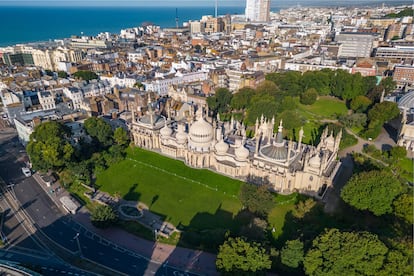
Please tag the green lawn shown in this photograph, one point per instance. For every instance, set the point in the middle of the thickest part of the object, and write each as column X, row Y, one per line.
column 407, row 167
column 200, row 199
column 276, row 218
column 324, row 108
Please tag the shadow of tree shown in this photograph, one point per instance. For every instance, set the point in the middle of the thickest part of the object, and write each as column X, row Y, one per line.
column 132, row 194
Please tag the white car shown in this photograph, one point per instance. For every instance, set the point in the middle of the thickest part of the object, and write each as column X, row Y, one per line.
column 26, row 171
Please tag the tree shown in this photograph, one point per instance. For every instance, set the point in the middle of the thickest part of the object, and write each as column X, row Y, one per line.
column 268, row 88
column 288, row 103
column 403, row 207
column 397, row 264
column 354, row 120
column 345, row 253
column 49, row 147
column 85, row 75
column 239, row 257
column 62, row 74
column 100, row 130
column 291, row 119
column 103, row 216
column 292, row 253
column 383, row 112
column 121, row 137
column 255, row 229
column 398, row 153
column 262, row 105
column 241, row 100
column 360, row 104
column 373, row 191
column 289, row 83
column 220, row 102
column 303, row 207
column 309, row 97
column 257, row 200
column 388, row 84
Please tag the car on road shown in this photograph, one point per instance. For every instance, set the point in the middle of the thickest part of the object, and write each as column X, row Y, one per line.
column 26, row 171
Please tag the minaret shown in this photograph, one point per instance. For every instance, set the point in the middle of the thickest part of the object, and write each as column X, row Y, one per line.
column 133, row 116
column 215, row 10
column 150, row 111
column 279, row 137
column 300, row 139
column 289, row 150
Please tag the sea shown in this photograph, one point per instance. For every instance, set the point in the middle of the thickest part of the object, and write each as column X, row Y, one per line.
column 24, row 24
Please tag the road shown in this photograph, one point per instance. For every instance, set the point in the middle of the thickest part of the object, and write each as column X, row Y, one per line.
column 61, row 229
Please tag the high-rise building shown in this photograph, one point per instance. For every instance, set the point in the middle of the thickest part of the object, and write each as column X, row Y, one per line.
column 257, row 10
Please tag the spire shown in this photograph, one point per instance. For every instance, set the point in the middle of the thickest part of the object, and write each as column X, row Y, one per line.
column 300, row 138
column 280, row 128
column 279, row 137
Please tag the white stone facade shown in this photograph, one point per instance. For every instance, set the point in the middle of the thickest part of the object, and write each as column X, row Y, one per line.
column 285, row 166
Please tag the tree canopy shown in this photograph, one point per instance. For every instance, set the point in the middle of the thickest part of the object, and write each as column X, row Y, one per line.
column 220, row 102
column 292, row 253
column 258, row 200
column 85, row 75
column 373, row 191
column 240, row 257
column 345, row 253
column 403, row 207
column 383, row 112
column 49, row 147
column 103, row 216
column 309, row 96
column 100, row 130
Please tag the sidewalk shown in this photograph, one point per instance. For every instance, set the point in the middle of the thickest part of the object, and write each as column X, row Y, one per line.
column 186, row 259
column 182, row 258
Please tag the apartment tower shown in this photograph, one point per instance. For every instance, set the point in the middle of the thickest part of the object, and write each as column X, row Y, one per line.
column 257, row 10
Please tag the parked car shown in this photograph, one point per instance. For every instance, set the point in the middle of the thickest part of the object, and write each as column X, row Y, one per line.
column 26, row 171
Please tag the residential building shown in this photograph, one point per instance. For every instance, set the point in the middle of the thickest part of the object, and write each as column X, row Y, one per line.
column 257, row 10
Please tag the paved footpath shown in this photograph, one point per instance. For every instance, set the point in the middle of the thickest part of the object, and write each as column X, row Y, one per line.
column 186, row 259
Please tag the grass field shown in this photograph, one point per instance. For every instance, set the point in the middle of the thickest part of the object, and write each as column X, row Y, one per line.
column 324, row 108
column 407, row 167
column 276, row 219
column 196, row 198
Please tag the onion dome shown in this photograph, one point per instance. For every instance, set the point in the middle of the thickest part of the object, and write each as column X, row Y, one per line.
column 330, row 141
column 201, row 131
column 241, row 152
column 201, row 134
column 221, row 147
column 315, row 161
column 181, row 136
column 166, row 131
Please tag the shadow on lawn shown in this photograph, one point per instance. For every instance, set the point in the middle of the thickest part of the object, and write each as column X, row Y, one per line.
column 132, row 195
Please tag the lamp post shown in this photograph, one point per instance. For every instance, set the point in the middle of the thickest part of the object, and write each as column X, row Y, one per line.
column 76, row 237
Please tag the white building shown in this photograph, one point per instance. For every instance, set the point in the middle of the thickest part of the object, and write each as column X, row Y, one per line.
column 161, row 85
column 285, row 166
column 257, row 10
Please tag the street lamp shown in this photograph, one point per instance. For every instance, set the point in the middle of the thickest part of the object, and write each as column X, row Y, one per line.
column 76, row 237
column 155, row 234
